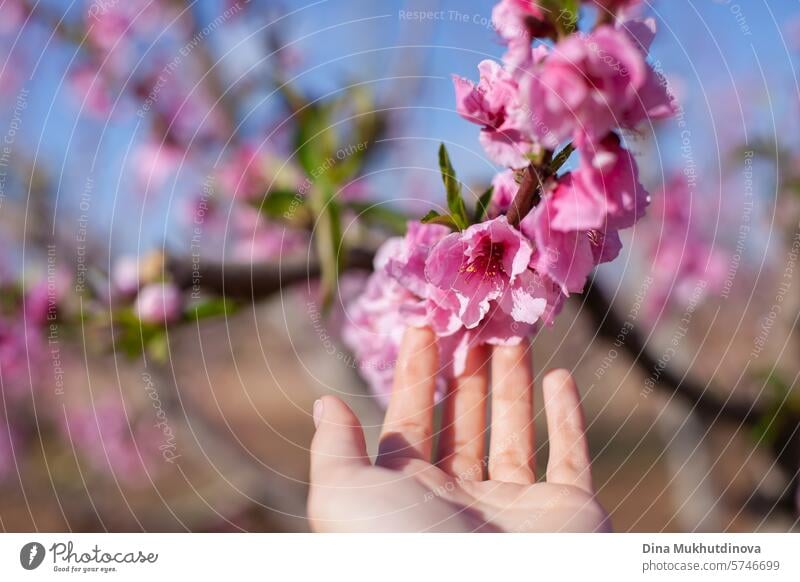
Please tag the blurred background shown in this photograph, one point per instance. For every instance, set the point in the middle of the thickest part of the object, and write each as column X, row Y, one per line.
column 176, row 145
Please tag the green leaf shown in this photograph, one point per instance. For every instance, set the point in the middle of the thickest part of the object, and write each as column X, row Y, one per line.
column 482, row 205
column 455, row 202
column 561, row 158
column 158, row 347
column 434, row 217
column 280, row 203
column 328, row 240
column 380, row 214
column 564, row 14
column 315, row 141
column 769, row 424
column 211, row 307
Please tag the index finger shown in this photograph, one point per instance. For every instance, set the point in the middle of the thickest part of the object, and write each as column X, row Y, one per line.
column 408, row 427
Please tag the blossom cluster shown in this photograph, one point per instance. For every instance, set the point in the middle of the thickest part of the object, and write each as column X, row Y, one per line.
column 686, row 266
column 497, row 280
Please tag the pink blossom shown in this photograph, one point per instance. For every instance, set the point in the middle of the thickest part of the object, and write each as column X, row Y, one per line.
column 378, row 317
column 125, row 275
column 158, row 303
column 257, row 238
column 14, row 15
column 271, row 240
column 111, row 441
column 404, row 261
column 249, row 172
column 486, row 263
column 590, row 84
column 518, row 22
column 22, row 351
column 513, row 18
column 606, row 245
column 405, row 258
column 603, row 193
column 686, row 266
column 43, row 299
column 88, row 85
column 154, row 162
column 471, row 288
column 566, row 257
column 505, row 188
column 507, row 147
column 374, row 329
column 494, row 103
column 113, row 25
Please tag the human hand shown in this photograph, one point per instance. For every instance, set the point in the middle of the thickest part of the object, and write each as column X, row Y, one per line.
column 405, row 491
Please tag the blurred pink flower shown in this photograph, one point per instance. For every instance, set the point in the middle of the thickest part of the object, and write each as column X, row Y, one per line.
column 269, row 242
column 154, row 162
column 43, row 298
column 14, row 15
column 512, row 18
column 125, row 276
column 158, row 303
column 22, row 351
column 256, row 238
column 249, row 172
column 374, row 328
column 112, row 26
column 686, row 266
column 109, row 440
column 89, row 87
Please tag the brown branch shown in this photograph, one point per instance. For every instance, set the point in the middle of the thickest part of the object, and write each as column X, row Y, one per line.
column 534, row 177
column 252, row 282
column 704, row 399
column 528, row 195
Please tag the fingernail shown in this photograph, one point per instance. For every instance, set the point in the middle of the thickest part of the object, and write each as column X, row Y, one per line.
column 317, row 412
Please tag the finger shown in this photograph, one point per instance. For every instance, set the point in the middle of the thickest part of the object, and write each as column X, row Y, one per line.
column 461, row 442
column 511, row 453
column 569, row 461
column 339, row 442
column 408, row 427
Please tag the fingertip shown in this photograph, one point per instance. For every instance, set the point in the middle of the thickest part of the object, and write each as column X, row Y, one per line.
column 417, row 339
column 330, row 408
column 559, row 375
column 418, row 360
column 558, row 379
column 339, row 437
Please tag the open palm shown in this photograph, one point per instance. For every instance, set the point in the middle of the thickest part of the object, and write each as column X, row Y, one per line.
column 405, row 491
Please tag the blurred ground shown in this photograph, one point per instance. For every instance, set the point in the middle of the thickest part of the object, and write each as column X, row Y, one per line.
column 238, row 394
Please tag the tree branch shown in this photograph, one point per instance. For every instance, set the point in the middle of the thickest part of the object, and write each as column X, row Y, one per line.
column 704, row 399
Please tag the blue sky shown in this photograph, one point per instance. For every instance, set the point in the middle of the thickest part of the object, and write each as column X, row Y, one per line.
column 731, row 62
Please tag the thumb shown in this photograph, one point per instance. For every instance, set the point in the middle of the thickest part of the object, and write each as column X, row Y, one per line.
column 339, row 441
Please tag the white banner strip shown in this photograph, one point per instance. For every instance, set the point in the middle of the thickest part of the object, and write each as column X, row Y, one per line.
column 390, row 557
